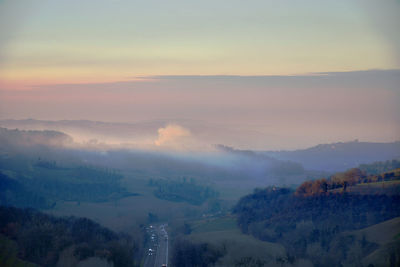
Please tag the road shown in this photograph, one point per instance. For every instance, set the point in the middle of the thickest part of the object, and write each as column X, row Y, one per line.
column 157, row 251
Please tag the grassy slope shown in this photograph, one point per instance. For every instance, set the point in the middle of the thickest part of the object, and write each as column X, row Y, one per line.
column 8, row 254
column 224, row 231
column 385, row 234
column 382, row 233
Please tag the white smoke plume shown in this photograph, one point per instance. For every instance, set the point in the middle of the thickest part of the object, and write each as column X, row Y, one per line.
column 172, row 135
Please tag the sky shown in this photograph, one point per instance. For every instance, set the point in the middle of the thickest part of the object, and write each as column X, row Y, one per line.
column 310, row 70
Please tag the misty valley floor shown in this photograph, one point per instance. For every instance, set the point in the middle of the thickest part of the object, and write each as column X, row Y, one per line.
column 255, row 210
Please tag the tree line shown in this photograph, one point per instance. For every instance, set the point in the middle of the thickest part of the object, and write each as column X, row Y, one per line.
column 343, row 180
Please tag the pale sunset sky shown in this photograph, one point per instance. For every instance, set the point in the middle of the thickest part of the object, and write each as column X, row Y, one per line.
column 287, row 68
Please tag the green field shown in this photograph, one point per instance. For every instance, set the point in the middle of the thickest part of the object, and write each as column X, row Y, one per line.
column 8, row 254
column 127, row 213
column 214, row 225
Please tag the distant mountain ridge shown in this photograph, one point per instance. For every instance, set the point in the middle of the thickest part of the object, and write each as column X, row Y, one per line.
column 324, row 157
column 340, row 156
column 142, row 131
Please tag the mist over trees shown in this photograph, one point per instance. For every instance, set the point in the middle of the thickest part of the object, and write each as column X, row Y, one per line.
column 380, row 166
column 308, row 218
column 199, row 133
column 340, row 156
column 21, row 138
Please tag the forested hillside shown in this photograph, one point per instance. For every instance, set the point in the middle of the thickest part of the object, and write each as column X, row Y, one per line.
column 36, row 172
column 27, row 182
column 48, row 240
column 310, row 221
